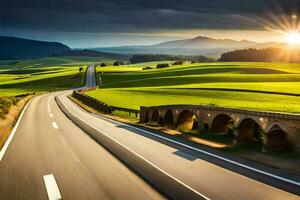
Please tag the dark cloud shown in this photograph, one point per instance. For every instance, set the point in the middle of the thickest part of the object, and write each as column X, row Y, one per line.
column 115, row 16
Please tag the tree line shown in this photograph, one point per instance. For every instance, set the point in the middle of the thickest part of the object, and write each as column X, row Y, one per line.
column 162, row 57
column 272, row 54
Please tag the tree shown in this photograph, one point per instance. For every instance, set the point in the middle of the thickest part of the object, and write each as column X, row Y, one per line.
column 163, row 65
column 273, row 54
column 179, row 62
column 161, row 57
column 146, row 68
column 80, row 70
column 116, row 63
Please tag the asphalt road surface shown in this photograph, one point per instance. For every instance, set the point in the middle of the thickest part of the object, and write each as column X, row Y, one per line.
column 46, row 142
column 50, row 157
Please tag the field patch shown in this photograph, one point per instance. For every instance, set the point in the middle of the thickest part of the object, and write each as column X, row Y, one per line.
column 234, row 85
column 134, row 98
column 38, row 75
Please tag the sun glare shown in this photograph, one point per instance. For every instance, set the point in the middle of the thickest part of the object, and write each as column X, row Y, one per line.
column 293, row 38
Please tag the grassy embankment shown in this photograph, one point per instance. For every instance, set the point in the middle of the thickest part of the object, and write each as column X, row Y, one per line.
column 131, row 87
column 10, row 108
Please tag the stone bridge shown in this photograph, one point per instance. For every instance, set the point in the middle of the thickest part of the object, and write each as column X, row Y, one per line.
column 276, row 131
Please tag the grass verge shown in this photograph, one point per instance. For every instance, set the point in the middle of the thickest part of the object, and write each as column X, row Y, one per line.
column 10, row 117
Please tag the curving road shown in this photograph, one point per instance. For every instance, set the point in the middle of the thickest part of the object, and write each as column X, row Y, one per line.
column 50, row 157
column 90, row 77
column 46, row 142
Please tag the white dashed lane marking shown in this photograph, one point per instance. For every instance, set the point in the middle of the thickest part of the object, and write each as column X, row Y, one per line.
column 52, row 187
column 55, row 126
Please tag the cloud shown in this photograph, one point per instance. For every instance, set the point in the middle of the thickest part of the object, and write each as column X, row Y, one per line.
column 138, row 16
column 135, row 15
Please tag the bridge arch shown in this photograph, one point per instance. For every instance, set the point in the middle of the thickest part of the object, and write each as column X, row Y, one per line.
column 187, row 120
column 249, row 130
column 222, row 124
column 155, row 116
column 147, row 117
column 168, row 119
column 276, row 139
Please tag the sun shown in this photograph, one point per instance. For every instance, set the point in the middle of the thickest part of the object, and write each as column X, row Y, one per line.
column 293, row 38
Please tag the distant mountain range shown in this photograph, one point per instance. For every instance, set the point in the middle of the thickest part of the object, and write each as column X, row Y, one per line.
column 194, row 46
column 18, row 48
column 12, row 48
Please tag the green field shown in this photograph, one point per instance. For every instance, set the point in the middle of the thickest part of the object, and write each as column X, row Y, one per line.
column 234, row 85
column 38, row 75
column 50, row 61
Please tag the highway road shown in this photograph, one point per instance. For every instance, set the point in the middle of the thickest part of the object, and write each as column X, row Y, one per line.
column 90, row 77
column 48, row 143
column 50, row 157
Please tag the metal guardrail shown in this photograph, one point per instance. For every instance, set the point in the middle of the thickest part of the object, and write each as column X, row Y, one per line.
column 101, row 106
column 92, row 102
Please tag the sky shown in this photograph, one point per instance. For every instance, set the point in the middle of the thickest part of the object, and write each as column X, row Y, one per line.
column 97, row 23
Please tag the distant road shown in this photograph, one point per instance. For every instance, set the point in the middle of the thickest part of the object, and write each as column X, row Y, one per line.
column 91, row 77
column 46, row 142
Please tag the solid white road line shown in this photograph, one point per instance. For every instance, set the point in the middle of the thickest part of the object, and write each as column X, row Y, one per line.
column 52, row 187
column 4, row 148
column 54, row 125
column 213, row 155
column 124, row 146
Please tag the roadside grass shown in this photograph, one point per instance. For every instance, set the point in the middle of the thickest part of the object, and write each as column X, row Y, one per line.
column 5, row 104
column 10, row 108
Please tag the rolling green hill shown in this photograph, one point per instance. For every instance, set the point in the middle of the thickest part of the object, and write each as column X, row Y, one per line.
column 18, row 48
column 236, row 85
column 44, row 74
